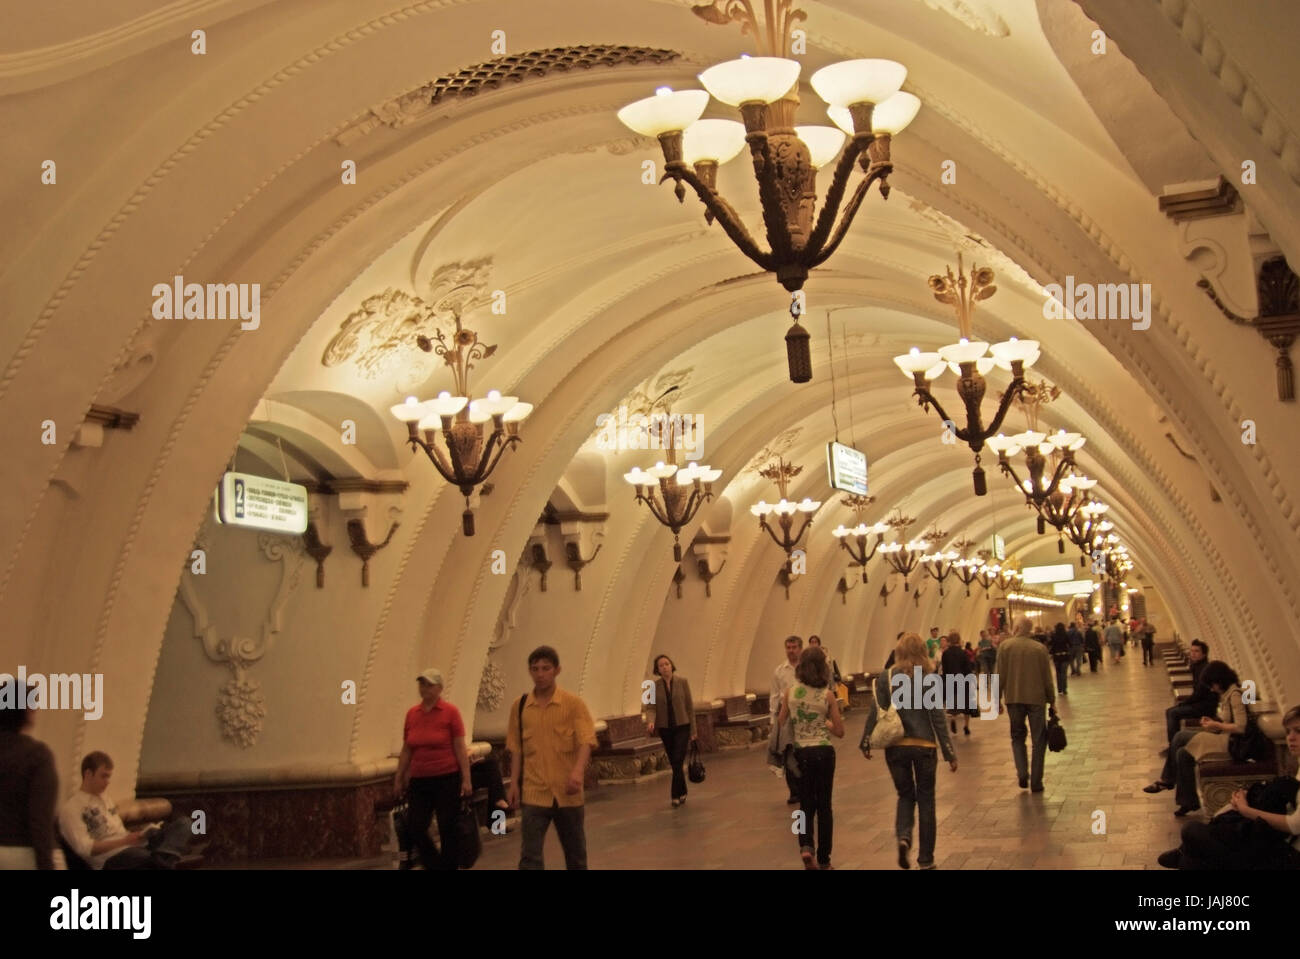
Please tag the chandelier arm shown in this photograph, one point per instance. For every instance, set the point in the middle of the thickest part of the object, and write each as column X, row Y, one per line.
column 1013, row 390
column 831, row 203
column 659, row 513
column 693, row 503
column 850, row 211
column 505, row 445
column 485, row 458
column 437, row 459
column 924, row 397
column 726, row 215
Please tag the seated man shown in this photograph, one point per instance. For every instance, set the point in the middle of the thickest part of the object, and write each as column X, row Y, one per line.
column 1203, row 701
column 90, row 825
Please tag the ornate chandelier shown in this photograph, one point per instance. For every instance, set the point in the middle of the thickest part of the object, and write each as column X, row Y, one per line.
column 1088, row 527
column 940, row 565
column 466, row 457
column 863, row 101
column 967, row 360
column 781, row 473
column 683, row 490
column 904, row 558
column 857, row 545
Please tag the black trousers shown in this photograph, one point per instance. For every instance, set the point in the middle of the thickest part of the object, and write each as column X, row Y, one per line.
column 486, row 774
column 1174, row 716
column 817, row 777
column 1148, row 652
column 676, row 740
column 1094, row 656
column 440, row 796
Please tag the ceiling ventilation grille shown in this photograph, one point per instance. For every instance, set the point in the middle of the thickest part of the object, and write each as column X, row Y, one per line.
column 539, row 63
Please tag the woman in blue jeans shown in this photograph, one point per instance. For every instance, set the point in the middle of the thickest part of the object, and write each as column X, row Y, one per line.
column 912, row 761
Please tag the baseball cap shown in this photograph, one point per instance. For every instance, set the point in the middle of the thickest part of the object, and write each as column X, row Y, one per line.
column 431, row 675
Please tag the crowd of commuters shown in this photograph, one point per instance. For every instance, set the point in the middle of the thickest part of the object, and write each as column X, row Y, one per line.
column 550, row 737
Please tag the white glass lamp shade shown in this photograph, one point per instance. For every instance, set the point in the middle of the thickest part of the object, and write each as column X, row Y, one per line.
column 858, row 81
column 709, row 475
column 930, row 557
column 879, row 529
column 751, row 79
column 444, row 404
column 785, row 507
column 891, row 547
column 761, row 508
column 662, row 470
column 823, row 143
column 914, row 361
column 839, row 532
column 717, row 140
column 952, row 556
column 1003, row 444
column 1082, row 482
column 893, row 115
column 1030, row 438
column 1014, row 349
column 807, row 505
column 862, row 529
column 494, row 404
column 664, row 112
column 518, row 413
column 917, row 545
column 686, row 474
column 1062, row 440
column 638, row 477
column 411, row 411
column 963, row 351
column 478, row 415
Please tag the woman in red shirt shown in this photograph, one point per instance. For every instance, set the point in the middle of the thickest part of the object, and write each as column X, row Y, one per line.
column 434, row 765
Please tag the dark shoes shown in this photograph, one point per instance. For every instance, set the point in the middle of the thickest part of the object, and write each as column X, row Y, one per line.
column 1157, row 786
column 1173, row 859
column 1164, row 752
column 792, row 801
column 1024, row 784
column 1036, row 788
column 1182, row 811
column 904, row 847
column 967, row 730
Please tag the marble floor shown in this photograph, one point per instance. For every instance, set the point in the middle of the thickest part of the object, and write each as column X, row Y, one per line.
column 738, row 817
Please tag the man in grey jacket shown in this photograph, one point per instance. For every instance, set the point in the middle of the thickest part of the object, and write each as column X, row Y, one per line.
column 1025, row 680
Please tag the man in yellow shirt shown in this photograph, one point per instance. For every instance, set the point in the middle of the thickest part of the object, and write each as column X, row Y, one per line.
column 550, row 737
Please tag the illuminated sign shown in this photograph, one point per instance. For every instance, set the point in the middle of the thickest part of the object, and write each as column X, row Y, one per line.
column 999, row 547
column 261, row 503
column 1048, row 574
column 1076, row 587
column 846, row 468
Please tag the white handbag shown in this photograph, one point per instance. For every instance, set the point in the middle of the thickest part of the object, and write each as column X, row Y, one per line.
column 889, row 727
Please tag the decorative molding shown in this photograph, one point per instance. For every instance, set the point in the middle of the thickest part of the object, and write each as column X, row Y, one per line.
column 975, row 15
column 241, row 707
column 783, row 443
column 491, row 688
column 1219, row 199
column 1276, row 137
column 422, row 102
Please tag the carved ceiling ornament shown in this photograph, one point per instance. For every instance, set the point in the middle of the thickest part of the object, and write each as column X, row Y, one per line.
column 977, row 15
column 241, row 707
column 783, row 443
column 381, row 336
column 654, row 395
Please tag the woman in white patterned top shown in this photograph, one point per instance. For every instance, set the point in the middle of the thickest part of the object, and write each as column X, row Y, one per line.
column 816, row 716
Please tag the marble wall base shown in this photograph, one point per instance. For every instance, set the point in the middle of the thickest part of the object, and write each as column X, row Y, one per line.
column 308, row 823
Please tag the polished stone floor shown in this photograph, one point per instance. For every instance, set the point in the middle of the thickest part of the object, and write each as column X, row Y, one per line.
column 738, row 818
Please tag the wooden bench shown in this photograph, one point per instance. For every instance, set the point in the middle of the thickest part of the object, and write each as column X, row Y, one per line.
column 624, row 753
column 741, row 726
